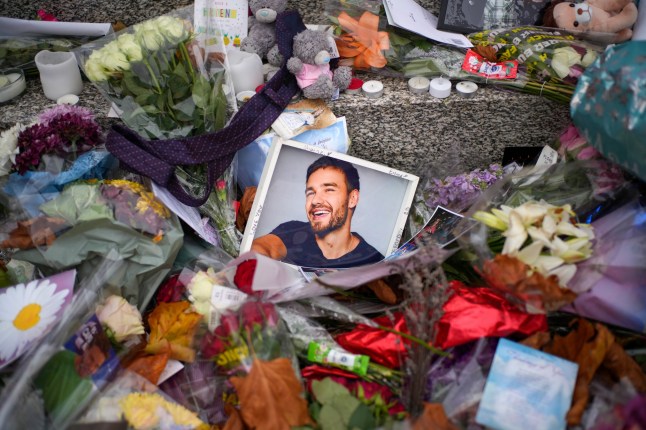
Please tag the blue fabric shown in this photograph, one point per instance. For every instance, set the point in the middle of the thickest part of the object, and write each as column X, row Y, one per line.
column 35, row 188
column 609, row 105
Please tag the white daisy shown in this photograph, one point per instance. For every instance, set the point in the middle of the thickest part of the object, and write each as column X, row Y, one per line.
column 26, row 312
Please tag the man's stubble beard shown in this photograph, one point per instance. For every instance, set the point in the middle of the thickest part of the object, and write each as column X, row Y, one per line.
column 337, row 220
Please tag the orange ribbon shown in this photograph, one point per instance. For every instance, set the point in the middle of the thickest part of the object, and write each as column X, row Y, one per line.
column 363, row 42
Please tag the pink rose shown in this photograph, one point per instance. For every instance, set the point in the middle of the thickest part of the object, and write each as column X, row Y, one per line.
column 588, row 153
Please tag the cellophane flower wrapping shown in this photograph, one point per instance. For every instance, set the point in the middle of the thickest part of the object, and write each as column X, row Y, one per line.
column 538, row 220
column 141, row 404
column 254, row 332
column 550, row 61
column 51, row 386
column 366, row 42
column 87, row 219
column 164, row 87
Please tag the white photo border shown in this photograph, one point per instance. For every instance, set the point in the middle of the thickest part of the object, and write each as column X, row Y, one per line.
column 268, row 172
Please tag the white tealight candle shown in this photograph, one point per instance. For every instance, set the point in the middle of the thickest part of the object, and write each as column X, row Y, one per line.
column 440, row 88
column 11, row 85
column 466, row 88
column 418, row 85
column 67, row 99
column 373, row 89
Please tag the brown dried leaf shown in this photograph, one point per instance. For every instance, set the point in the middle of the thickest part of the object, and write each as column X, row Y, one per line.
column 434, row 418
column 146, row 365
column 622, row 365
column 34, row 232
column 508, row 273
column 245, row 207
column 271, row 396
column 487, row 51
column 383, row 291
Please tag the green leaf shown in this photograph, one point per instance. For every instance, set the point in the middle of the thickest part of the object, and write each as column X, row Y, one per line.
column 326, row 390
column 200, row 93
column 362, row 418
column 63, row 389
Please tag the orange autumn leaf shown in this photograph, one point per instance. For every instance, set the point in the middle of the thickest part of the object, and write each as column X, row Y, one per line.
column 35, row 232
column 235, row 420
column 508, row 273
column 172, row 327
column 434, row 417
column 271, row 396
column 622, row 365
column 146, row 365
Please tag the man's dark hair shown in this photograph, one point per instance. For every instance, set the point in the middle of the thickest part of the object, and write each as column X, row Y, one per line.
column 351, row 174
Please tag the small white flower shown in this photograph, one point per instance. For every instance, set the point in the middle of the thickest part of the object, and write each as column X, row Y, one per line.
column 9, row 148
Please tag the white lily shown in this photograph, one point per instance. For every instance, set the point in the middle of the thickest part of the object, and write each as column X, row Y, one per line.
column 565, row 273
column 540, row 235
column 568, row 229
column 530, row 212
column 490, row 220
column 516, row 234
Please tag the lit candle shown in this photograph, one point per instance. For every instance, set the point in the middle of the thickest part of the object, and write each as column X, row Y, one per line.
column 373, row 89
column 11, row 85
column 418, row 85
column 246, row 70
column 440, row 88
column 466, row 89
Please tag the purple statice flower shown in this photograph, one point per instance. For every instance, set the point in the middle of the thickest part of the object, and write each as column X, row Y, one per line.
column 458, row 192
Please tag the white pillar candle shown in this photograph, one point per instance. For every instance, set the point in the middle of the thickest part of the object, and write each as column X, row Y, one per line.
column 373, row 89
column 466, row 88
column 246, row 70
column 11, row 85
column 418, row 85
column 59, row 74
column 440, row 88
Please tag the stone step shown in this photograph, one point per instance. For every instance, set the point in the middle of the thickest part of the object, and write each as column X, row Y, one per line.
column 400, row 129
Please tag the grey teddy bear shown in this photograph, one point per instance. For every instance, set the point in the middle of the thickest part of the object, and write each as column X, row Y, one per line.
column 311, row 65
column 261, row 38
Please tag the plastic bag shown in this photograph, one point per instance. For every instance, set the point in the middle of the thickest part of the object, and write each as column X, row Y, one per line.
column 90, row 218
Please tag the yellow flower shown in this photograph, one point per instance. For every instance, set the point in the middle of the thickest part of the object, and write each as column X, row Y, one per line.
column 145, row 411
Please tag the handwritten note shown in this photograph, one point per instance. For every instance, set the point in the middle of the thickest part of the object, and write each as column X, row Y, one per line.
column 409, row 15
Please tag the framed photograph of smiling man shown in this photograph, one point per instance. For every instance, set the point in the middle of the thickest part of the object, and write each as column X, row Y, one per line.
column 321, row 209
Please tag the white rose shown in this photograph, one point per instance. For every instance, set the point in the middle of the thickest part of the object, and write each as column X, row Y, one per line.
column 172, row 29
column 115, row 60
column 130, row 47
column 120, row 317
column 9, row 148
column 95, row 71
column 148, row 36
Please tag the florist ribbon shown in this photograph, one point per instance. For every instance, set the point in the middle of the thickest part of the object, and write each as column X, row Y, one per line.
column 363, row 42
column 469, row 314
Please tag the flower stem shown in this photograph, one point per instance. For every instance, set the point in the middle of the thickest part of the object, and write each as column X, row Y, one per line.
column 415, row 340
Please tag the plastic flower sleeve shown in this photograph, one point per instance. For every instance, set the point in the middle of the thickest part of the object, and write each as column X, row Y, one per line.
column 142, row 405
column 550, row 61
column 90, row 218
column 611, row 281
column 153, row 73
column 52, row 385
column 367, row 43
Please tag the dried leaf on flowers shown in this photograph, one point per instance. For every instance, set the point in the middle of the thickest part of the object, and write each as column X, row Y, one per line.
column 383, row 291
column 433, row 417
column 591, row 346
column 270, row 396
column 487, row 51
column 510, row 274
column 146, row 365
column 235, row 420
column 34, row 232
column 246, row 202
column 171, row 326
column 622, row 365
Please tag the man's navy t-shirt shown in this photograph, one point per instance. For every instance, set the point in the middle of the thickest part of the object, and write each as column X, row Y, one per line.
column 302, row 249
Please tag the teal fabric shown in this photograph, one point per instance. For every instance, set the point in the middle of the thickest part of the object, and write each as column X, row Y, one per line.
column 609, row 105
